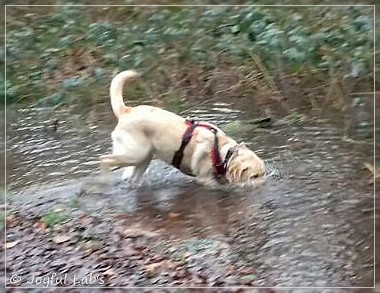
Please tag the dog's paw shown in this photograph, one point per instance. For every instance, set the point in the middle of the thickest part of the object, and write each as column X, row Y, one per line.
column 127, row 173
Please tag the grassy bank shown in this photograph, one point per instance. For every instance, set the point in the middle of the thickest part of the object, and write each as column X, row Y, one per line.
column 60, row 54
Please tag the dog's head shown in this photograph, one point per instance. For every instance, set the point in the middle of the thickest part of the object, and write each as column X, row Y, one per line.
column 244, row 166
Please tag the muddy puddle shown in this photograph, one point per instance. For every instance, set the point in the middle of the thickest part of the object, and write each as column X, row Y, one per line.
column 309, row 224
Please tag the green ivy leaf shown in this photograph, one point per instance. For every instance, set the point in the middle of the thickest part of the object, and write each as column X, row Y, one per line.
column 72, row 83
column 294, row 54
column 66, row 42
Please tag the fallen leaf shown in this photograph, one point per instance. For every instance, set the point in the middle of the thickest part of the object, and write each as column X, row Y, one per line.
column 109, row 272
column 249, row 271
column 40, row 225
column 231, row 269
column 248, row 279
column 173, row 215
column 12, row 221
column 85, row 220
column 151, row 268
column 61, row 238
column 168, row 264
column 129, row 251
column 11, row 244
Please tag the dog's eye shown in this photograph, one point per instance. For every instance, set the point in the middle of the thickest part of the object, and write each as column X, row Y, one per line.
column 255, row 176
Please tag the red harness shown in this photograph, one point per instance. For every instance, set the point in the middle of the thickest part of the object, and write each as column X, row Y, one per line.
column 220, row 166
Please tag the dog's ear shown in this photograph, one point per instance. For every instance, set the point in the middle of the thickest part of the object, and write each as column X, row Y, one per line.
column 240, row 148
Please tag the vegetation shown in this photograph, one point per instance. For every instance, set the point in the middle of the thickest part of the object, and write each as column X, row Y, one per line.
column 53, row 218
column 56, row 54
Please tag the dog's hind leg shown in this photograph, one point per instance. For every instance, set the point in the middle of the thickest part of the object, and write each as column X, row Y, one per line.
column 133, row 151
column 135, row 165
column 120, row 161
column 135, row 173
column 140, row 169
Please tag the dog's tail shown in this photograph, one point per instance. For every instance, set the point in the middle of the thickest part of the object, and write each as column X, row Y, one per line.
column 116, row 91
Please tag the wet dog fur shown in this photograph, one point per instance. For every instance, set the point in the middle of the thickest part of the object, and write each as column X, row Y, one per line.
column 146, row 132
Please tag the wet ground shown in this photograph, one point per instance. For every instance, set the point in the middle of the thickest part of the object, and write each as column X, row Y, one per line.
column 309, row 224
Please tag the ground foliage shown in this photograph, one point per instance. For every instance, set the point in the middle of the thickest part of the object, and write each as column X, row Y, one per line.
column 60, row 53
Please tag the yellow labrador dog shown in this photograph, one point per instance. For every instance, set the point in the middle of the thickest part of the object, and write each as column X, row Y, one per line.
column 198, row 149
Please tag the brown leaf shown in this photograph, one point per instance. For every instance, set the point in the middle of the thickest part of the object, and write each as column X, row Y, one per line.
column 248, row 271
column 40, row 225
column 171, row 265
column 231, row 269
column 174, row 216
column 61, row 238
column 12, row 221
column 11, row 244
column 85, row 220
column 151, row 268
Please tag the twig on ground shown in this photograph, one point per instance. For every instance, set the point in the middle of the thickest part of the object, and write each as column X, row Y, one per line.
column 348, row 139
column 363, row 93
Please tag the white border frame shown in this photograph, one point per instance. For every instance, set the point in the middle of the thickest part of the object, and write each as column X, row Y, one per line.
column 196, row 5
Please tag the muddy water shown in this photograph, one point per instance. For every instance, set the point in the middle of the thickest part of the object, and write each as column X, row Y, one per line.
column 309, row 224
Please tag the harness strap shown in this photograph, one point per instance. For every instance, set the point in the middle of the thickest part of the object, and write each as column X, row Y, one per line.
column 178, row 155
column 217, row 162
column 219, row 165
